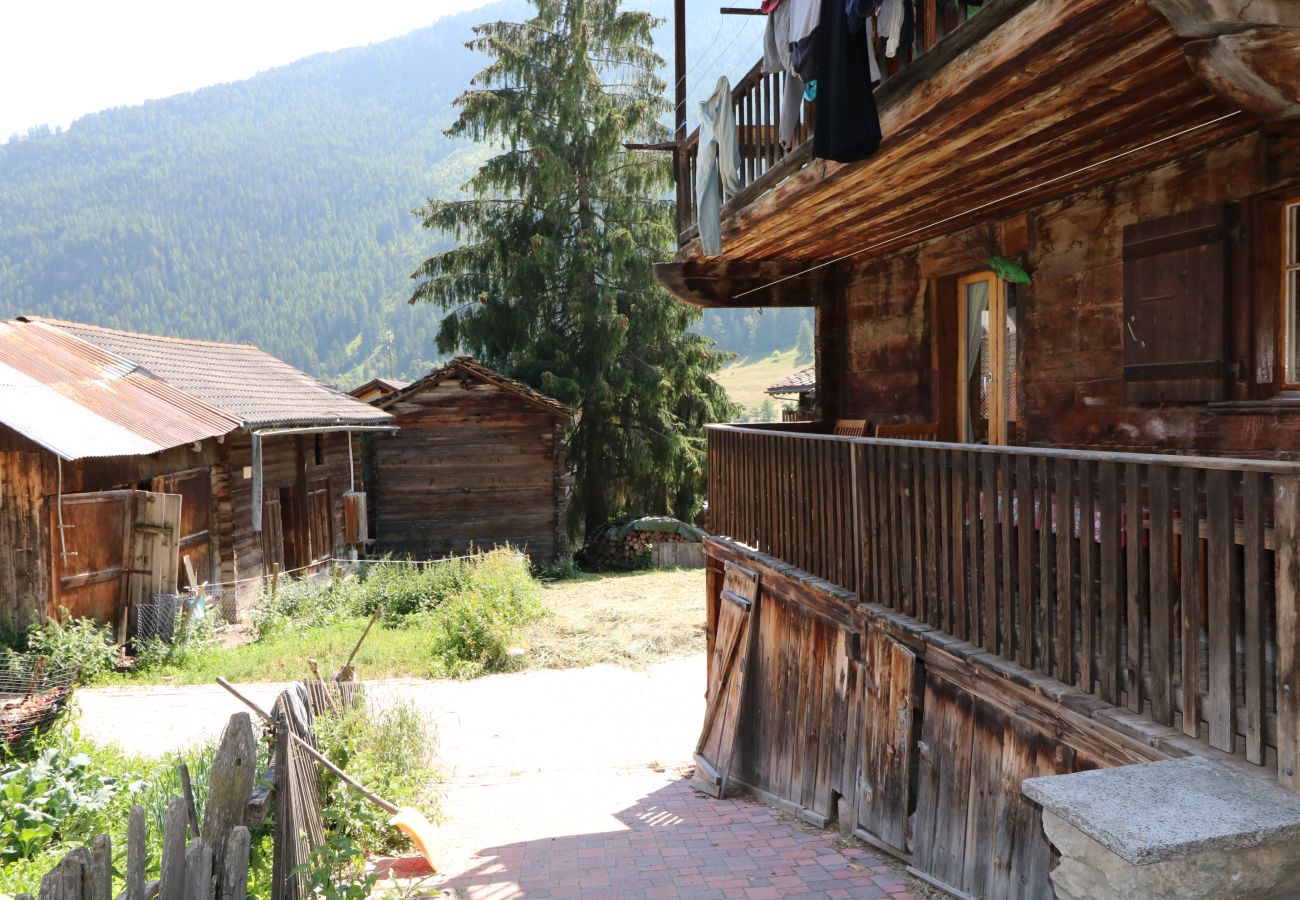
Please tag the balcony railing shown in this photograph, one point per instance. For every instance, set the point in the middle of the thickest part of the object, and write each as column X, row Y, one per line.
column 1152, row 582
column 756, row 99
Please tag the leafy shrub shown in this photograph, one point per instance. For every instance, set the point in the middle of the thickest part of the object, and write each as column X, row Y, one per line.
column 40, row 798
column 80, row 643
column 388, row 749
column 333, row 871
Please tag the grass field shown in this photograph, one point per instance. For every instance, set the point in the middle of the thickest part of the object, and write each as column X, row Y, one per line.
column 630, row 619
column 747, row 381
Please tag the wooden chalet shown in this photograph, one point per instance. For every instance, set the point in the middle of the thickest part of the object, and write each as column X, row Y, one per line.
column 377, row 389
column 1062, row 301
column 122, row 455
column 478, row 462
column 801, row 387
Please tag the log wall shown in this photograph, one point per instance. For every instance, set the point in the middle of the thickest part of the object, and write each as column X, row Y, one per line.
column 899, row 314
column 474, row 466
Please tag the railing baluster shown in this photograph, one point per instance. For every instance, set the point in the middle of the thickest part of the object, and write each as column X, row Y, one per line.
column 975, row 530
column 1161, row 598
column 1136, row 581
column 1007, row 545
column 1062, row 660
column 960, row 617
column 1190, row 601
column 933, row 517
column 1108, row 478
column 989, row 612
column 1027, row 591
column 1223, row 612
column 1254, row 636
column 1087, row 578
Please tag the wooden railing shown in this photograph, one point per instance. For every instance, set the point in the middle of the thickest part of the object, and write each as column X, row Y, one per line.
column 756, row 99
column 1166, row 584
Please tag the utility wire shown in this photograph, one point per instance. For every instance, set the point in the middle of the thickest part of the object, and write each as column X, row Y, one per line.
column 982, row 206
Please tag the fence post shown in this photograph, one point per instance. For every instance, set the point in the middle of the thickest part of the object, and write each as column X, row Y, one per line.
column 1286, row 517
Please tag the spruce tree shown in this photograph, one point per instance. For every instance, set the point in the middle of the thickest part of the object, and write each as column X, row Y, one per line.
column 551, row 279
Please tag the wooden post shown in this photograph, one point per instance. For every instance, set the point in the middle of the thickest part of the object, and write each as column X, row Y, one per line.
column 275, row 579
column 99, row 876
column 191, row 810
column 1286, row 514
column 234, row 869
column 679, row 113
column 172, row 880
column 135, row 854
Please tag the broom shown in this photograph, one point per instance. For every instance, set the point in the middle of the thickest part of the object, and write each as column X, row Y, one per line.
column 410, row 821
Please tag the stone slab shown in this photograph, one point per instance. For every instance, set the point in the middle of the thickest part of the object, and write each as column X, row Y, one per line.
column 1158, row 811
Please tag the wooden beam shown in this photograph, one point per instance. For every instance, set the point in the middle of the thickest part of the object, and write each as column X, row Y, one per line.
column 716, row 283
column 1207, row 18
column 1256, row 70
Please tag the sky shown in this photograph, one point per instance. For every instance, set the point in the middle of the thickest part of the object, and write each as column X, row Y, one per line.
column 62, row 59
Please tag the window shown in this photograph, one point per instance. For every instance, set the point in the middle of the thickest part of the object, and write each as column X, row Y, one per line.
column 988, row 384
column 1291, row 292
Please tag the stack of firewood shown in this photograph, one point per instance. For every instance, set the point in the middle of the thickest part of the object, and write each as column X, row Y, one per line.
column 629, row 552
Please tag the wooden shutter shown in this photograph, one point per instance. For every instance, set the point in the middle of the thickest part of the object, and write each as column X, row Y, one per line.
column 1175, row 307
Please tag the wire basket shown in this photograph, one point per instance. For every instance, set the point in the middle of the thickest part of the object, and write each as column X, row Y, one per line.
column 33, row 691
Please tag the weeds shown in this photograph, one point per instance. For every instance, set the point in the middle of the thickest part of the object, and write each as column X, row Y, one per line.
column 390, row 750
column 77, row 643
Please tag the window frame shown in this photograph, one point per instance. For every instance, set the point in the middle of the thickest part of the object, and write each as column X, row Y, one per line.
column 1288, row 380
column 997, row 310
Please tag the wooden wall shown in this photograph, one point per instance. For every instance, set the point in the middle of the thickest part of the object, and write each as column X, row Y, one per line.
column 288, row 461
column 899, row 314
column 471, row 466
column 909, row 738
column 29, row 476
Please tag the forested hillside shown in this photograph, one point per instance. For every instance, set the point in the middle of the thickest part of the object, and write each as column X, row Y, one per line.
column 277, row 210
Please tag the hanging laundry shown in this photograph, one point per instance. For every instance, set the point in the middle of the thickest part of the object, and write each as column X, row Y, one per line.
column 862, row 20
column 892, row 13
column 848, row 127
column 777, row 58
column 717, row 165
column 805, row 17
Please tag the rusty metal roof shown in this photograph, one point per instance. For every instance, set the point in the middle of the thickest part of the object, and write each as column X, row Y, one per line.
column 78, row 400
column 238, row 379
column 802, row 382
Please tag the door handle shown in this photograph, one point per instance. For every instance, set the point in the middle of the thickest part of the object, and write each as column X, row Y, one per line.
column 1131, row 333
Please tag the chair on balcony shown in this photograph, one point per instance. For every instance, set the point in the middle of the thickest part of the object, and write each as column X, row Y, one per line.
column 909, row 431
column 852, row 427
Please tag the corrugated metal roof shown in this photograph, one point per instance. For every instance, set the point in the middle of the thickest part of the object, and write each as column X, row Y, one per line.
column 78, row 401
column 239, row 379
column 802, row 382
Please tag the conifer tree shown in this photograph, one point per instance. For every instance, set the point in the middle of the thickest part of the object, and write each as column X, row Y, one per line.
column 551, row 278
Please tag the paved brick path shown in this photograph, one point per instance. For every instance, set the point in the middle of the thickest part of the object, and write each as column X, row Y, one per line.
column 662, row 839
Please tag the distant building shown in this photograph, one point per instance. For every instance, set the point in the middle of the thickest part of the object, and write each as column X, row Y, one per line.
column 802, row 387
column 124, row 456
column 478, row 462
column 377, row 388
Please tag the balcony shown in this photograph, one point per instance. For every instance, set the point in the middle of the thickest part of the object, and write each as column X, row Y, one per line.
column 756, row 99
column 1163, row 586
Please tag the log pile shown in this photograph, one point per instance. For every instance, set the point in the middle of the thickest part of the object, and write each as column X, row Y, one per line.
column 632, row 551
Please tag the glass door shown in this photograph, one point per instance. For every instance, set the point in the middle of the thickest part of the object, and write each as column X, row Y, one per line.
column 988, row 382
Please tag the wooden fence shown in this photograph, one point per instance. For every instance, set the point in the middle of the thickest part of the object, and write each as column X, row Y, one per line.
column 209, row 861
column 1167, row 584
column 756, row 100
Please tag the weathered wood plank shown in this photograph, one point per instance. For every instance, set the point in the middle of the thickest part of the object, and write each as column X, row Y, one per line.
column 1027, row 592
column 1136, row 604
column 1110, row 512
column 1223, row 611
column 1286, row 517
column 172, row 879
column 1190, row 603
column 1161, row 596
column 1062, row 659
column 1254, row 637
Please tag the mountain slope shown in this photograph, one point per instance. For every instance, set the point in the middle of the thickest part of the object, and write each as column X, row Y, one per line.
column 275, row 210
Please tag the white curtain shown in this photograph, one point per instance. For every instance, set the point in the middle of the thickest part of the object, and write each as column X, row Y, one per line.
column 977, row 303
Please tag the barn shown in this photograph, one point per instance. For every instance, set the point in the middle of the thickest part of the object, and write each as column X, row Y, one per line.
column 478, row 462
column 124, row 455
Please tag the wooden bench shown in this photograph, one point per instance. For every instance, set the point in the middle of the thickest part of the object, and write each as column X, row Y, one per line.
column 909, row 431
column 852, row 427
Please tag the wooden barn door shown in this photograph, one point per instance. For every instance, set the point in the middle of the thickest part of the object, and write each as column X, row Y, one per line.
column 195, row 490
column 889, row 701
column 320, row 523
column 109, row 549
column 727, row 668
